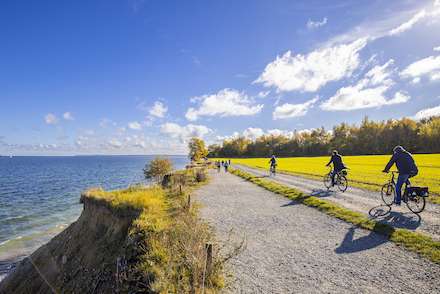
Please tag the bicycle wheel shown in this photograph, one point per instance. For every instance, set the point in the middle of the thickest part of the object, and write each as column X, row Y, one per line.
column 415, row 203
column 328, row 180
column 388, row 193
column 342, row 183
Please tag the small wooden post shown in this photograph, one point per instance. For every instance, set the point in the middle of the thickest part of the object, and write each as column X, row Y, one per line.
column 180, row 189
column 208, row 247
column 189, row 201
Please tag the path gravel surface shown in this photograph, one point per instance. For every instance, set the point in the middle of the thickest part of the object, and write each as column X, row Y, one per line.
column 292, row 248
column 366, row 202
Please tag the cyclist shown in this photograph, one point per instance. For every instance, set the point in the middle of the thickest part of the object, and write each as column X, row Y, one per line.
column 407, row 169
column 273, row 162
column 338, row 164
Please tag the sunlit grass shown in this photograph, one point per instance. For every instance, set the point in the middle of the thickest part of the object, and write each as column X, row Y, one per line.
column 166, row 249
column 365, row 171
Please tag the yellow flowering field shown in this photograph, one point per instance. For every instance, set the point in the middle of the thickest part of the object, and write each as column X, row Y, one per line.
column 365, row 171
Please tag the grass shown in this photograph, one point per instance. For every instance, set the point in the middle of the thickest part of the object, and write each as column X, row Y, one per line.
column 165, row 251
column 365, row 171
column 419, row 243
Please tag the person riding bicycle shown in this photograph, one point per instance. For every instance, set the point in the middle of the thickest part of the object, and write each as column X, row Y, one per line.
column 407, row 169
column 273, row 162
column 338, row 164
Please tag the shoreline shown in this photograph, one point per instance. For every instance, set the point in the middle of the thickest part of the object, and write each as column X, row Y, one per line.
column 8, row 265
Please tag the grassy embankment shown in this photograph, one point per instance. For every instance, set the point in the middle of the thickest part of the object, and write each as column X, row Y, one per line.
column 365, row 171
column 413, row 241
column 165, row 252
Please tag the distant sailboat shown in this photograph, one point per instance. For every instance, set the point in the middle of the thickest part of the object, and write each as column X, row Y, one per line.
column 10, row 156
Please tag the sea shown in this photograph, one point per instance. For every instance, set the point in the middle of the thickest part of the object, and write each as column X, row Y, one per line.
column 40, row 195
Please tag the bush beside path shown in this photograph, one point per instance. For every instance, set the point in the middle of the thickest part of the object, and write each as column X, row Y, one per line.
column 292, row 248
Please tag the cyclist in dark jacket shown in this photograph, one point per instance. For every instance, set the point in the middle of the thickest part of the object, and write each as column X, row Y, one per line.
column 407, row 169
column 338, row 165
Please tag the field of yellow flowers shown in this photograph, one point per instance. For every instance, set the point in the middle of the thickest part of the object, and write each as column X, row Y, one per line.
column 365, row 171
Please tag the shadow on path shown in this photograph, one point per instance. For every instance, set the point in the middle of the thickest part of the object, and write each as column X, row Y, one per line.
column 349, row 245
column 321, row 193
column 290, row 204
column 384, row 214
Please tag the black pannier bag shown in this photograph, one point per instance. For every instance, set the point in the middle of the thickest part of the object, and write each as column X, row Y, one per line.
column 417, row 191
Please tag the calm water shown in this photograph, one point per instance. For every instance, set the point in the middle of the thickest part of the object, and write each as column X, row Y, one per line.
column 40, row 195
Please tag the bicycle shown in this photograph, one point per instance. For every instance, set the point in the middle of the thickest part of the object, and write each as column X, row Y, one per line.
column 414, row 200
column 340, row 179
column 273, row 170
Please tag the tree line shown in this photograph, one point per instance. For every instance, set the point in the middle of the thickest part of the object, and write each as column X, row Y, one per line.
column 369, row 138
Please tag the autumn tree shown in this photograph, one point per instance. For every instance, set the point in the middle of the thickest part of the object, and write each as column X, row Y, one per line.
column 197, row 149
column 157, row 168
column 214, row 149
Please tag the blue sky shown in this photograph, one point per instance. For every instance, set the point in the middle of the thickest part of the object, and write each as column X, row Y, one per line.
column 143, row 77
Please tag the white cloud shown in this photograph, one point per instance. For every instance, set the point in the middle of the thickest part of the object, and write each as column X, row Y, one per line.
column 60, row 137
column 379, row 75
column 135, row 126
column 68, row 116
column 292, row 110
column 196, row 61
column 89, row 133
column 276, row 132
column 173, row 130
column 369, row 92
column 147, row 123
column 350, row 98
column 307, row 73
column 221, row 139
column 312, row 24
column 60, row 129
column 437, row 48
column 119, row 132
column 429, row 66
column 408, row 25
column 425, row 113
column 112, row 144
column 158, row 109
column 225, row 103
column 191, row 114
column 415, row 80
column 263, row 94
column 104, row 122
column 253, row 133
column 51, row 119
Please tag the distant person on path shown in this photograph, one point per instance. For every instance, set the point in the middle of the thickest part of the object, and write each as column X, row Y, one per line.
column 407, row 169
column 218, row 165
column 273, row 162
column 226, row 166
column 338, row 164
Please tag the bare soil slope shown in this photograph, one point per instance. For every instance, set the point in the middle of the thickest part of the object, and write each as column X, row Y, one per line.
column 81, row 259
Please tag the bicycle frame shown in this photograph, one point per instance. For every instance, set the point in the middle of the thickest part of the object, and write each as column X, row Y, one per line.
column 340, row 180
column 415, row 203
column 393, row 182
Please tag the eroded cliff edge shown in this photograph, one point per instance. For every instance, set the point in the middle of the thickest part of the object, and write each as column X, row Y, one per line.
column 81, row 259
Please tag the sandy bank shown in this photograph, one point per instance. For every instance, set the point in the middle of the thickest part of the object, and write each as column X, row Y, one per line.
column 80, row 259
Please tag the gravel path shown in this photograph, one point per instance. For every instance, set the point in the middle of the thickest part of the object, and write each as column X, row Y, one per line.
column 366, row 202
column 292, row 248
